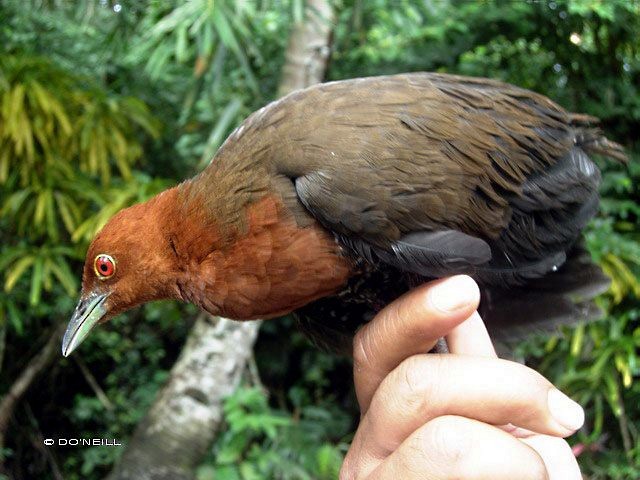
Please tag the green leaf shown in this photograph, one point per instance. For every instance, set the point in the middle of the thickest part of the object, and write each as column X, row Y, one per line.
column 36, row 281
column 41, row 204
column 61, row 270
column 217, row 136
column 181, row 44
column 577, row 340
column 15, row 318
column 14, row 273
column 66, row 211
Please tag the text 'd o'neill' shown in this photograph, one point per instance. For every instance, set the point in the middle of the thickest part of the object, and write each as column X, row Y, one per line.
column 82, row 442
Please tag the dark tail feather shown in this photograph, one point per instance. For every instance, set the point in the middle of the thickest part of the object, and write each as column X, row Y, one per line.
column 592, row 140
column 559, row 298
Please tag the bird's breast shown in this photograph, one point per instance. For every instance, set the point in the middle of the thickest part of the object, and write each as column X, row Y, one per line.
column 273, row 267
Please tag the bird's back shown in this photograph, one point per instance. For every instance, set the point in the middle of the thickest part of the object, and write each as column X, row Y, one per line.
column 435, row 174
column 379, row 159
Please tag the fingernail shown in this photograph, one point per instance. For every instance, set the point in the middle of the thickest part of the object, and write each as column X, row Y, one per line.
column 564, row 410
column 454, row 293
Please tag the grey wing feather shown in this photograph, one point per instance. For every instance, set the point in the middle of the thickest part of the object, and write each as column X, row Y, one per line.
column 428, row 253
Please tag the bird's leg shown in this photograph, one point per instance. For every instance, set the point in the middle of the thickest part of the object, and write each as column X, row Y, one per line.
column 440, row 346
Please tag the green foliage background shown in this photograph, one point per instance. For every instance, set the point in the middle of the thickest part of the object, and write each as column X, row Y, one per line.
column 104, row 104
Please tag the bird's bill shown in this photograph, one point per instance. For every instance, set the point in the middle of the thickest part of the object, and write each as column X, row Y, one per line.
column 88, row 312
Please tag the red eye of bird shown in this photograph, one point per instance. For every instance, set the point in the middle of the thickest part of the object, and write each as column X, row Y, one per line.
column 104, row 266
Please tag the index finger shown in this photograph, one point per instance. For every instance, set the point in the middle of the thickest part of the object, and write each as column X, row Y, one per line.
column 410, row 325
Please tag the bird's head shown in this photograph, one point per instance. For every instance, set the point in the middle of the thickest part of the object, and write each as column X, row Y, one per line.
column 129, row 262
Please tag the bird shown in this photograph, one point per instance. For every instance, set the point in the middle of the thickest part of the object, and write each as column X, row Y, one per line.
column 334, row 200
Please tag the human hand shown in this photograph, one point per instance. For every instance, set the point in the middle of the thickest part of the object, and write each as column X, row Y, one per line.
column 428, row 416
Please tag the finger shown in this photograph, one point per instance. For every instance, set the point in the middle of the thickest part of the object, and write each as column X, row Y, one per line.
column 557, row 456
column 457, row 447
column 490, row 390
column 410, row 325
column 471, row 338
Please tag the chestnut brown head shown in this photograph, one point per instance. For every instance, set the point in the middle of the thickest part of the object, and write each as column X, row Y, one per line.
column 129, row 262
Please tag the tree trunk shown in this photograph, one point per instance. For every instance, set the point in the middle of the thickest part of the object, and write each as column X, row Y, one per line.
column 183, row 422
column 308, row 49
column 176, row 432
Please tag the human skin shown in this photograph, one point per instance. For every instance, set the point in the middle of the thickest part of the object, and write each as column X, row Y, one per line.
column 452, row 416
